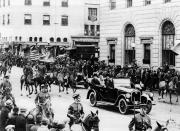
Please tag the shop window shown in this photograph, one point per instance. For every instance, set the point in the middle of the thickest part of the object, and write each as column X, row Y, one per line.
column 168, row 34
column 98, row 30
column 46, row 19
column 129, row 3
column 129, row 41
column 112, row 4
column 64, row 20
column 27, row 19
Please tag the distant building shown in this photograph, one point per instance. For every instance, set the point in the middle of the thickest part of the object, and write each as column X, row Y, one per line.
column 145, row 30
column 47, row 21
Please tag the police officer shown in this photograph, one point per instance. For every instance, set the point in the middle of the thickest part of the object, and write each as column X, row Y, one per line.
column 140, row 121
column 75, row 111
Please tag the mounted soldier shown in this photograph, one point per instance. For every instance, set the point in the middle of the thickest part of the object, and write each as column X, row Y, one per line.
column 42, row 69
column 27, row 70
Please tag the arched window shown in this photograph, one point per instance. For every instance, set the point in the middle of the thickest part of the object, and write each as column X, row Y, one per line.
column 20, row 38
column 30, row 39
column 51, row 39
column 58, row 39
column 40, row 39
column 16, row 38
column 35, row 39
column 129, row 44
column 168, row 33
column 65, row 40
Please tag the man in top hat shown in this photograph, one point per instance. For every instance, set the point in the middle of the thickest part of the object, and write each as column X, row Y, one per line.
column 20, row 124
column 43, row 98
column 140, row 121
column 75, row 111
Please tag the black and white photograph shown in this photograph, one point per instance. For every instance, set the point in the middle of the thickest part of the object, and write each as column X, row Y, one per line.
column 89, row 65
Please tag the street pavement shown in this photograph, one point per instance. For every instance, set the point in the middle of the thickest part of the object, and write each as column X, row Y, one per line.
column 110, row 118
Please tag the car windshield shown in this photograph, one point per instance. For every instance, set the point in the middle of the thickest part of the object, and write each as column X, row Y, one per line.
column 118, row 83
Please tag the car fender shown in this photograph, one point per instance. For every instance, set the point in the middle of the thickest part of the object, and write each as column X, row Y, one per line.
column 91, row 90
column 146, row 96
column 120, row 97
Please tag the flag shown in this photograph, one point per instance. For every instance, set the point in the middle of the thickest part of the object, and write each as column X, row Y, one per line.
column 34, row 55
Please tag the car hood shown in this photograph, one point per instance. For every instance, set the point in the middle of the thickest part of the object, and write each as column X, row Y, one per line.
column 125, row 89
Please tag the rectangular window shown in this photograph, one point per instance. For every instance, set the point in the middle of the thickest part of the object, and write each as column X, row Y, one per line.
column 64, row 20
column 147, row 2
column 28, row 2
column 46, row 19
column 167, row 1
column 129, row 3
column 0, row 3
column 86, row 29
column 27, row 19
column 92, row 14
column 64, row 3
column 112, row 53
column 8, row 22
column 147, row 54
column 98, row 30
column 92, row 30
column 3, row 19
column 112, row 4
column 46, row 3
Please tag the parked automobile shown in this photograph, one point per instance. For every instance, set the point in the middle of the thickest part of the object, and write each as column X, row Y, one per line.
column 121, row 95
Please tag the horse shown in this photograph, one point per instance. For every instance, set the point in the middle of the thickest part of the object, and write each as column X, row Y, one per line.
column 160, row 127
column 48, row 114
column 90, row 122
column 172, row 88
column 29, row 81
column 162, row 88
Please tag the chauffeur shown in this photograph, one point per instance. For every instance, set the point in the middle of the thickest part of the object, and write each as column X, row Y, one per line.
column 141, row 121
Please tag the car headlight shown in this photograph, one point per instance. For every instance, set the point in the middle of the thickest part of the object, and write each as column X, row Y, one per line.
column 128, row 95
column 151, row 94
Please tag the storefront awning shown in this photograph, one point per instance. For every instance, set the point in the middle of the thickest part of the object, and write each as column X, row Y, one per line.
column 85, row 38
column 176, row 48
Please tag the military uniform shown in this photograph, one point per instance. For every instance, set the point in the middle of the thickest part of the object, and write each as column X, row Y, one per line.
column 141, row 123
column 42, row 70
column 75, row 110
column 42, row 100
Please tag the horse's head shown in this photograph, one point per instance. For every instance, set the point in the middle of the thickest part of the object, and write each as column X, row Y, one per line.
column 92, row 121
column 161, row 127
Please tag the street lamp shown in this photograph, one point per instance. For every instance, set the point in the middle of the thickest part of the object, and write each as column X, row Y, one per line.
column 133, row 47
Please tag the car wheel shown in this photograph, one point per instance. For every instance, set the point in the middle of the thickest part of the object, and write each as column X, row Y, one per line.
column 92, row 98
column 123, row 108
column 148, row 107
